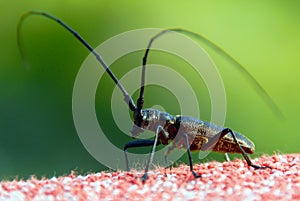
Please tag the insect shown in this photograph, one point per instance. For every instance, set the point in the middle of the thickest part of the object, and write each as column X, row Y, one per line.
column 182, row 131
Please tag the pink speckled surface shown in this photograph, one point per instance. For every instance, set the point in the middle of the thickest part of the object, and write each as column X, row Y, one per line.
column 220, row 181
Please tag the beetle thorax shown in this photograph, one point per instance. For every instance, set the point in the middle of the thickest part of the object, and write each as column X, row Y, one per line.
column 150, row 119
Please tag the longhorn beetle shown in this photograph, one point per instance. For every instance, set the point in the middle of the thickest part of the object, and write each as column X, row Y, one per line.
column 191, row 134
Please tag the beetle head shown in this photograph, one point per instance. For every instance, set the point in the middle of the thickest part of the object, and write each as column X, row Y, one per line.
column 144, row 120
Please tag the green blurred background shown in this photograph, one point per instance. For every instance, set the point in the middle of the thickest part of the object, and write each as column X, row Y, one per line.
column 37, row 133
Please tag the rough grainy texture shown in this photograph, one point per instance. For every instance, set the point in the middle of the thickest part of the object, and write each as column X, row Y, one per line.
column 220, row 181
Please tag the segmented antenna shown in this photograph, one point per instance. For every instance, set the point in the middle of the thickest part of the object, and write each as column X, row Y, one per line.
column 127, row 97
column 259, row 89
column 140, row 101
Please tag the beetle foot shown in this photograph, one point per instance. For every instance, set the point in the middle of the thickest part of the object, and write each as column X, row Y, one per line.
column 195, row 174
column 260, row 167
column 144, row 177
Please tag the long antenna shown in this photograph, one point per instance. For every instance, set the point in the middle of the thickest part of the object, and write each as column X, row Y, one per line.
column 260, row 90
column 140, row 101
column 127, row 97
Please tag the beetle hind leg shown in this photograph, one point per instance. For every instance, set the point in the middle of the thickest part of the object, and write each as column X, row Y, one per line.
column 249, row 162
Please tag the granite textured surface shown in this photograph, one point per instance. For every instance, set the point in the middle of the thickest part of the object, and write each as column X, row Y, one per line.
column 220, row 181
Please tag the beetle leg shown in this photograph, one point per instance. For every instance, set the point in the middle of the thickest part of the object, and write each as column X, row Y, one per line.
column 133, row 144
column 145, row 176
column 190, row 156
column 170, row 149
column 228, row 130
column 226, row 157
column 212, row 142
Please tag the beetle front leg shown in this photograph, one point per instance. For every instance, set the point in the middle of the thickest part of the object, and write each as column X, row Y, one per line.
column 145, row 176
column 133, row 144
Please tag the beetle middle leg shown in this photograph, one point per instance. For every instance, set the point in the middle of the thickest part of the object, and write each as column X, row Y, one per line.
column 190, row 156
column 170, row 149
column 187, row 146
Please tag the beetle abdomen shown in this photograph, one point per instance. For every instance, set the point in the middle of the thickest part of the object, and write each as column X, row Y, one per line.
column 200, row 132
